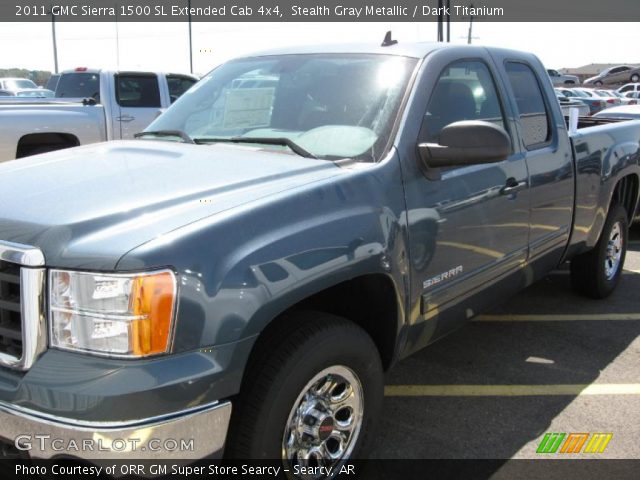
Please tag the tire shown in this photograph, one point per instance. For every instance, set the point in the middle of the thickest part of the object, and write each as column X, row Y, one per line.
column 597, row 273
column 43, row 149
column 598, row 83
column 635, row 78
column 310, row 353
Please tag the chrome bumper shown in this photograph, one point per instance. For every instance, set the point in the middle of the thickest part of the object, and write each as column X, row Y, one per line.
column 191, row 434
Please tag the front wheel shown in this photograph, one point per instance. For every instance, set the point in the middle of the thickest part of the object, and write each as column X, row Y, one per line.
column 311, row 395
column 635, row 78
column 598, row 83
column 597, row 273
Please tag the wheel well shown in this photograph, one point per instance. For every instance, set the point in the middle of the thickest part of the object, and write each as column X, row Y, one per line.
column 369, row 301
column 43, row 142
column 626, row 194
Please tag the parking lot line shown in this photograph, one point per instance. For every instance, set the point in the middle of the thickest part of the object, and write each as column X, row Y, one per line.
column 511, row 390
column 555, row 317
column 626, row 271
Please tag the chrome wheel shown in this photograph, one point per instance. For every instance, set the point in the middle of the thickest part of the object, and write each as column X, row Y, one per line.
column 614, row 251
column 325, row 422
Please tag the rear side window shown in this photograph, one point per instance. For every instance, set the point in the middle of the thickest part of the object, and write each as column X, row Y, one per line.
column 137, row 90
column 178, row 84
column 464, row 91
column 79, row 85
column 534, row 117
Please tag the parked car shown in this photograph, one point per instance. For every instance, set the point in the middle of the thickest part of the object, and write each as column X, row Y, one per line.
column 91, row 106
column 615, row 75
column 627, row 112
column 14, row 84
column 559, row 79
column 629, row 87
column 595, row 104
column 567, row 104
column 609, row 97
column 624, row 100
column 245, row 271
column 28, row 93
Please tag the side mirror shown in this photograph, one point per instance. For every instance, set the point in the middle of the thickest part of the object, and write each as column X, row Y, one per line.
column 468, row 142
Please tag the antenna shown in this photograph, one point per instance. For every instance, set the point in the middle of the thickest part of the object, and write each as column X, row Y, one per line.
column 387, row 42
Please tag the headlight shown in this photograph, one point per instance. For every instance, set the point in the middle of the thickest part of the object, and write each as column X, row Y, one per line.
column 120, row 315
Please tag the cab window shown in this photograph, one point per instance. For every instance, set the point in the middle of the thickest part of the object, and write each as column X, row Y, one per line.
column 135, row 90
column 465, row 90
column 532, row 110
column 178, row 84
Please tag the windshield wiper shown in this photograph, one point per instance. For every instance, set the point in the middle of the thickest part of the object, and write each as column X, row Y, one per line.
column 285, row 142
column 166, row 133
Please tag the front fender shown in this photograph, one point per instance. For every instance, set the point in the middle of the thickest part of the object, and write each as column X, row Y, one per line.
column 241, row 268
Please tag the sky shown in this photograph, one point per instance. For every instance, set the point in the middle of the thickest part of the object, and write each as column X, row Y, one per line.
column 164, row 46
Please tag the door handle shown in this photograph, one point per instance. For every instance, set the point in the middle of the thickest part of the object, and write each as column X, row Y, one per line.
column 125, row 118
column 512, row 186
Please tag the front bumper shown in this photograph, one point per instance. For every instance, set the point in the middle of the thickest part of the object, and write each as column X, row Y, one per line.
column 192, row 434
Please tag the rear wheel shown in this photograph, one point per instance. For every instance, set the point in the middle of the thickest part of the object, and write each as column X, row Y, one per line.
column 311, row 395
column 597, row 273
column 635, row 78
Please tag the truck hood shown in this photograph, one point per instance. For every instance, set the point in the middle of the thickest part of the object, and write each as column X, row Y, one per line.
column 86, row 207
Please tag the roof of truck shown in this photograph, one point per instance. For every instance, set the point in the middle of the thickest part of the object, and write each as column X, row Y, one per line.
column 406, row 49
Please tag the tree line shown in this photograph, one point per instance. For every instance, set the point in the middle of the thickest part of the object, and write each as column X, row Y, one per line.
column 39, row 77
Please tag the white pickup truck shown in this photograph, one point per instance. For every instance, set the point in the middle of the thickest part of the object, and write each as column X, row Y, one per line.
column 91, row 106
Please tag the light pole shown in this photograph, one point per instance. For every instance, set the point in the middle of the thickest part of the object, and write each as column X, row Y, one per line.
column 440, row 33
column 55, row 43
column 190, row 39
column 470, row 36
column 448, row 21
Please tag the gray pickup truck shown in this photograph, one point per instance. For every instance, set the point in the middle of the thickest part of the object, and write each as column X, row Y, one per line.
column 238, row 279
column 91, row 105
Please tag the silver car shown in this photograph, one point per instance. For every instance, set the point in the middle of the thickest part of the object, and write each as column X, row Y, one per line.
column 615, row 75
column 559, row 79
column 15, row 84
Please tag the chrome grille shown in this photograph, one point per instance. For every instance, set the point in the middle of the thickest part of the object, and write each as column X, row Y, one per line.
column 10, row 310
column 22, row 322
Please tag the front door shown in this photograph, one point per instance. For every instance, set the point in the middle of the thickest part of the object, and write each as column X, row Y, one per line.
column 469, row 225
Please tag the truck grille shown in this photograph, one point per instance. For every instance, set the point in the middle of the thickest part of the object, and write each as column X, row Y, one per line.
column 23, row 332
column 10, row 311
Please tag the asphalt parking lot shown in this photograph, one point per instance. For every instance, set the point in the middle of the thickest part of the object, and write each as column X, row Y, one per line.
column 548, row 360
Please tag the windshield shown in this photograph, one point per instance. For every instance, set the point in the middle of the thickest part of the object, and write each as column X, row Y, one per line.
column 79, row 85
column 333, row 106
column 18, row 83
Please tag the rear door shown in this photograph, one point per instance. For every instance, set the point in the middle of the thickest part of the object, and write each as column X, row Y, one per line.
column 547, row 150
column 138, row 102
column 618, row 75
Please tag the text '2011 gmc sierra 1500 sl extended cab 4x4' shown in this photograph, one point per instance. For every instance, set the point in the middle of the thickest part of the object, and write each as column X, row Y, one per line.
column 295, row 224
